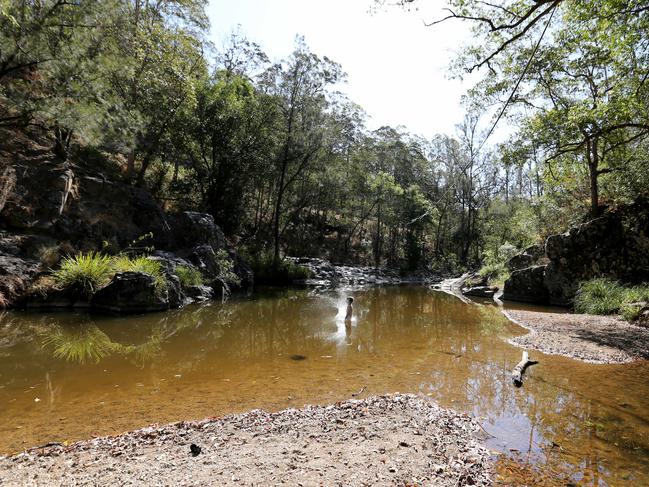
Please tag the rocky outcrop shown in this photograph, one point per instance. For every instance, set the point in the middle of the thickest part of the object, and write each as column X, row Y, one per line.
column 131, row 292
column 324, row 273
column 50, row 208
column 527, row 285
column 615, row 245
column 533, row 255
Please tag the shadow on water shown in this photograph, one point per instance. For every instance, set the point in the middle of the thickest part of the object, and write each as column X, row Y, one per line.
column 71, row 376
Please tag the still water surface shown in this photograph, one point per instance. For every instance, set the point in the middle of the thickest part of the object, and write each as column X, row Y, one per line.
column 65, row 376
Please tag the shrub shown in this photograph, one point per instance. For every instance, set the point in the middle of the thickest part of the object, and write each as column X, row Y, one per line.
column 494, row 268
column 286, row 272
column 606, row 296
column 189, row 276
column 494, row 271
column 124, row 263
column 87, row 271
column 226, row 268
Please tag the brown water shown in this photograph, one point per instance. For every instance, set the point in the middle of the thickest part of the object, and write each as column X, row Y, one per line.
column 65, row 377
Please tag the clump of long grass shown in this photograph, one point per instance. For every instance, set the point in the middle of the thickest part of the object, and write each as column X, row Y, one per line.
column 124, row 263
column 188, row 276
column 604, row 296
column 88, row 271
column 92, row 270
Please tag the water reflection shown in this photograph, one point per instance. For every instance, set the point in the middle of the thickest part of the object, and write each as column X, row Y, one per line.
column 590, row 423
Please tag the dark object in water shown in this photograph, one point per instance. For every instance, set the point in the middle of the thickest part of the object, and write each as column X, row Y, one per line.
column 298, row 357
column 195, row 449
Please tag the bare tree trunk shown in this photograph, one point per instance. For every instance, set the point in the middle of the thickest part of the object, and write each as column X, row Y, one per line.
column 593, row 163
column 278, row 209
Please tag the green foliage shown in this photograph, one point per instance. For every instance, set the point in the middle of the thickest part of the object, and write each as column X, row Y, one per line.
column 92, row 270
column 268, row 272
column 226, row 268
column 496, row 272
column 494, row 267
column 88, row 272
column 189, row 276
column 604, row 296
column 124, row 263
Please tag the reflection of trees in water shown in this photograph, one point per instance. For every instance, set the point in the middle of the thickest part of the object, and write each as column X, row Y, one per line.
column 456, row 347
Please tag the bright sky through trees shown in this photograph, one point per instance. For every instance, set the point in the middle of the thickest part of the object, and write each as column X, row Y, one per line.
column 397, row 67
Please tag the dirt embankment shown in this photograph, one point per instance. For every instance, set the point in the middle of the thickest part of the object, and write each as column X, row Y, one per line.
column 591, row 338
column 384, row 440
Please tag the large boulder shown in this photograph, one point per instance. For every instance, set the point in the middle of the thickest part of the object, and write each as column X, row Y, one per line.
column 529, row 257
column 35, row 195
column 110, row 212
column 191, row 228
column 615, row 245
column 131, row 292
column 481, row 291
column 527, row 285
column 16, row 274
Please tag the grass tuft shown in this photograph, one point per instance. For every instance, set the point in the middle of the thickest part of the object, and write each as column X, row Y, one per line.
column 604, row 296
column 124, row 263
column 87, row 271
column 189, row 276
column 92, row 270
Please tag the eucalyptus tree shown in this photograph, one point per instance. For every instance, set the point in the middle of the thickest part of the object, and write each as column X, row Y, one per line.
column 49, row 57
column 230, row 141
column 571, row 73
column 301, row 87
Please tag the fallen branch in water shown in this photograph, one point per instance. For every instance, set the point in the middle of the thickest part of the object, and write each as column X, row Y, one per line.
column 519, row 370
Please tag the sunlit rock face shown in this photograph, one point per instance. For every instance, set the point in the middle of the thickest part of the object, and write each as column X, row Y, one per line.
column 527, row 285
column 615, row 245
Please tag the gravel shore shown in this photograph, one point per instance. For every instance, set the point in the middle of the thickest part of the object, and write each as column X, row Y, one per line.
column 381, row 440
column 591, row 338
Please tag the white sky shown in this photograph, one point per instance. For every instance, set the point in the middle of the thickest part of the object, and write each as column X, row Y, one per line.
column 396, row 66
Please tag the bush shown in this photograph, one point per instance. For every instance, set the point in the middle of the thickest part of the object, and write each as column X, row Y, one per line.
column 494, row 268
column 494, row 272
column 87, row 271
column 189, row 276
column 605, row 297
column 286, row 272
column 226, row 268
